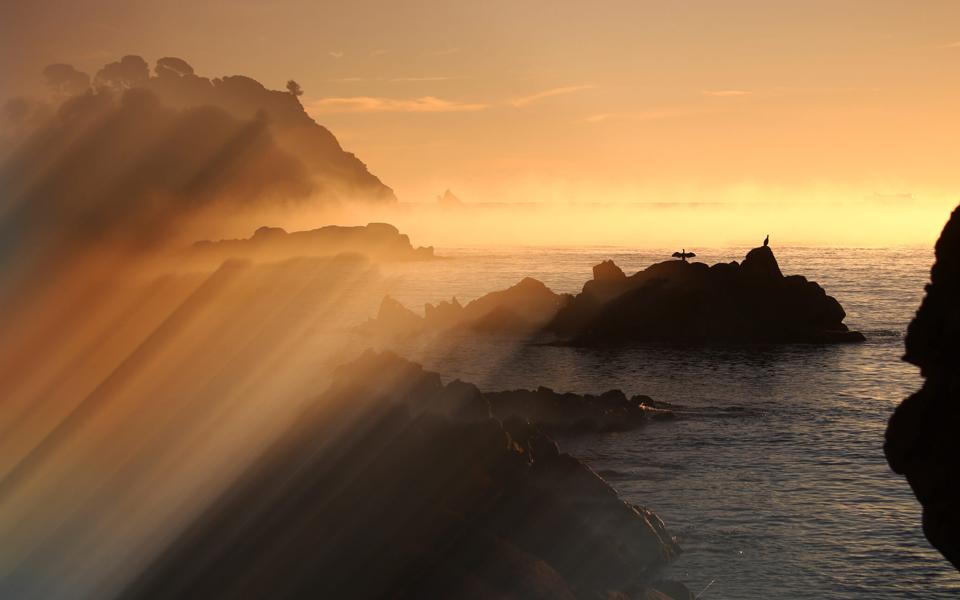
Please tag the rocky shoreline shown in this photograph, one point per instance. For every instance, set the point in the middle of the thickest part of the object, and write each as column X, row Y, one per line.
column 396, row 485
column 674, row 301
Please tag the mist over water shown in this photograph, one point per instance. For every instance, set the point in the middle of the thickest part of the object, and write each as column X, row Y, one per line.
column 773, row 477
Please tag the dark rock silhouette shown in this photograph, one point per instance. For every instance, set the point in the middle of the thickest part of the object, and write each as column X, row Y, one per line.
column 449, row 200
column 522, row 308
column 680, row 301
column 379, row 241
column 396, row 485
column 608, row 271
column 574, row 413
column 921, row 439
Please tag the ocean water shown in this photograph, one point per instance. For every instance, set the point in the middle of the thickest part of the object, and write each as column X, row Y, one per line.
column 773, row 478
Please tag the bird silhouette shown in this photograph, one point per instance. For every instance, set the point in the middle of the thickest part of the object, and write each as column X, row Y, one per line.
column 683, row 255
column 766, row 240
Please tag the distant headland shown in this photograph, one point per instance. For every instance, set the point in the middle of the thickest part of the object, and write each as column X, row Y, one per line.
column 377, row 241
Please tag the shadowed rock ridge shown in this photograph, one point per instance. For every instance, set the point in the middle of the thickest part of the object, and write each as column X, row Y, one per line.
column 395, row 485
column 921, row 439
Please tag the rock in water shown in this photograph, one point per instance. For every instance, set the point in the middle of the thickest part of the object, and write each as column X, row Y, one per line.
column 922, row 441
column 678, row 301
column 399, row 486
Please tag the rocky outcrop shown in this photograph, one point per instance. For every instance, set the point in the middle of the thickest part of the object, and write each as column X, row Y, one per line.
column 921, row 440
column 378, row 241
column 395, row 485
column 679, row 301
column 520, row 309
column 556, row 412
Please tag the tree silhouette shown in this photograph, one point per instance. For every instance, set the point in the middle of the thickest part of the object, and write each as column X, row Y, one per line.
column 172, row 66
column 128, row 72
column 66, row 80
column 294, row 88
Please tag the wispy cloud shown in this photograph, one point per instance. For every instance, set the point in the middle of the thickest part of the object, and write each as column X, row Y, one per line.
column 425, row 79
column 417, row 79
column 379, row 52
column 950, row 45
column 371, row 104
column 725, row 93
column 445, row 52
column 655, row 114
column 570, row 89
column 336, row 53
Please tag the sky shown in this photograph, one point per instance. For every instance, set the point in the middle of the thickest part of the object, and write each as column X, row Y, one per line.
column 621, row 101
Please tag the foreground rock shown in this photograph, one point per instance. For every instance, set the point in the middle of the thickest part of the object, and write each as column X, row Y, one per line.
column 921, row 440
column 378, row 241
column 395, row 485
column 679, row 301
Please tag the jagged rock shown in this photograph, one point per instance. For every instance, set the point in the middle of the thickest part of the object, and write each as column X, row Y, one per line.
column 679, row 301
column 449, row 200
column 378, row 241
column 399, row 319
column 608, row 271
column 610, row 411
column 921, row 439
column 761, row 265
column 395, row 485
column 519, row 309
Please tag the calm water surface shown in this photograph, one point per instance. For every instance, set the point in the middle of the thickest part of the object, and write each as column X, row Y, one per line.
column 774, row 478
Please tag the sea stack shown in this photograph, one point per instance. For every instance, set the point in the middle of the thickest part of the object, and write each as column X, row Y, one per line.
column 681, row 301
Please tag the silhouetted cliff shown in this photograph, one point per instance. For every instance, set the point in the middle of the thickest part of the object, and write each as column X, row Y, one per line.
column 395, row 485
column 692, row 302
column 921, row 441
column 338, row 173
column 378, row 241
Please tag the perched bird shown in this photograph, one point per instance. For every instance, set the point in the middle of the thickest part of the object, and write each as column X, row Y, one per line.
column 683, row 255
column 766, row 240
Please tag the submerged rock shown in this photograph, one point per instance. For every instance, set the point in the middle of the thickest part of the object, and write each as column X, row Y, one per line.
column 378, row 241
column 921, row 439
column 679, row 301
column 395, row 485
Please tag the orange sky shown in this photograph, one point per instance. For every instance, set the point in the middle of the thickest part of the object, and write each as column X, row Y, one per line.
column 574, row 101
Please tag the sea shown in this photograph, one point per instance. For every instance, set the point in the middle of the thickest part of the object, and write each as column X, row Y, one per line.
column 772, row 478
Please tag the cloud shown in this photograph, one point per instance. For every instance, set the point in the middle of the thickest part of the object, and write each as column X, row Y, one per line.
column 370, row 104
column 570, row 89
column 656, row 114
column 951, row 45
column 336, row 53
column 416, row 79
column 445, row 52
column 726, row 93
